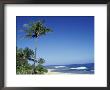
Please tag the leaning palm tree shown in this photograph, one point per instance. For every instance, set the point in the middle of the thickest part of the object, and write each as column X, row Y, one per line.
column 35, row 30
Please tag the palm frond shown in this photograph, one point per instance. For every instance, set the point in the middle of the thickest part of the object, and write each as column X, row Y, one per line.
column 48, row 30
column 37, row 29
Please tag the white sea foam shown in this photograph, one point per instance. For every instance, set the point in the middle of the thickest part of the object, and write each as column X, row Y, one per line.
column 79, row 68
column 59, row 66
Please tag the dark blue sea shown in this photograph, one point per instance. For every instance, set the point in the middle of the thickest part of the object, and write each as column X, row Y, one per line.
column 87, row 68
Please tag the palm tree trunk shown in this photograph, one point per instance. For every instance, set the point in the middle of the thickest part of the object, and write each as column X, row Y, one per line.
column 35, row 57
column 34, row 62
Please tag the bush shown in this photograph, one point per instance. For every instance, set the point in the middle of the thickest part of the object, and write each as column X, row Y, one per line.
column 22, row 65
column 40, row 69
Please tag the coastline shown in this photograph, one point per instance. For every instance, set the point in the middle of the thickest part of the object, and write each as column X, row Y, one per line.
column 52, row 72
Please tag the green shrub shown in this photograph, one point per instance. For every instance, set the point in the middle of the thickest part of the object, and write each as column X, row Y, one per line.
column 40, row 69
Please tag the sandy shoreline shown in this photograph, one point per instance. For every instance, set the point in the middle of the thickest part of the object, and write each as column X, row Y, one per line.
column 50, row 72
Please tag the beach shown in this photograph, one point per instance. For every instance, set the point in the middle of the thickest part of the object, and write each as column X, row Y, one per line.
column 53, row 72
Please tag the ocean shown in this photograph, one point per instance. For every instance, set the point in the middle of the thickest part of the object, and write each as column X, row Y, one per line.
column 87, row 68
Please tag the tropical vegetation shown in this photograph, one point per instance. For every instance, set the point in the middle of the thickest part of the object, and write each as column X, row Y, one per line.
column 34, row 30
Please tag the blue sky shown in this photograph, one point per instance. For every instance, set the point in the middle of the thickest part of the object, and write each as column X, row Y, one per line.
column 71, row 42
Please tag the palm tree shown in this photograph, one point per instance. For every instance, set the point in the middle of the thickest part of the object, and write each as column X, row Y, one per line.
column 22, row 56
column 35, row 30
column 28, row 53
column 41, row 61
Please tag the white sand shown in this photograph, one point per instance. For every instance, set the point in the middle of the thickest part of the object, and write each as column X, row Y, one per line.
column 50, row 72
